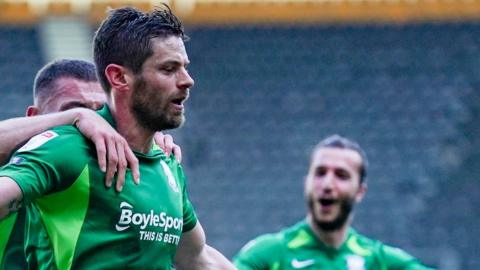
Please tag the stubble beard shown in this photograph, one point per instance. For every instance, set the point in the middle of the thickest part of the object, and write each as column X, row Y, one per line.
column 147, row 113
column 346, row 207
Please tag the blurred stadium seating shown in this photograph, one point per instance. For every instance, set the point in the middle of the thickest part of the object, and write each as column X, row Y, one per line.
column 20, row 58
column 266, row 94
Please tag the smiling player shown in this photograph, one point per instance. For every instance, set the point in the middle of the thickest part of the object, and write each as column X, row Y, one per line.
column 325, row 239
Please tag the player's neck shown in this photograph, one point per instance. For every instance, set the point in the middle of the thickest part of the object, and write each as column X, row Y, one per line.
column 334, row 238
column 139, row 138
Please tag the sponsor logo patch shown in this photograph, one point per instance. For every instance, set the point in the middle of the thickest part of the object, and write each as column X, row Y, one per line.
column 151, row 226
column 38, row 141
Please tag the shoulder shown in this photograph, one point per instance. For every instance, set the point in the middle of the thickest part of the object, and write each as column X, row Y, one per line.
column 265, row 242
column 288, row 237
column 262, row 252
column 61, row 148
column 57, row 139
column 392, row 257
column 397, row 258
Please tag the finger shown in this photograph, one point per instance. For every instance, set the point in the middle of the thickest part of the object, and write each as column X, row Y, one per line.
column 101, row 153
column 168, row 140
column 177, row 151
column 112, row 161
column 159, row 140
column 133, row 164
column 121, row 166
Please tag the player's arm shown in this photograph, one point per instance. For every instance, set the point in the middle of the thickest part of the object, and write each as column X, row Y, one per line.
column 113, row 152
column 193, row 253
column 17, row 130
column 10, row 197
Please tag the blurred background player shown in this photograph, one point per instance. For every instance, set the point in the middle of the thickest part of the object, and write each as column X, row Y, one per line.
column 65, row 92
column 335, row 183
column 141, row 62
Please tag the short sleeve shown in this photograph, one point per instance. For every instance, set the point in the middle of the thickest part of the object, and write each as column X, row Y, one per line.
column 261, row 253
column 47, row 163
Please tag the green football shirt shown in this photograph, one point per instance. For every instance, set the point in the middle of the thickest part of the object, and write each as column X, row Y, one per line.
column 75, row 222
column 12, row 256
column 298, row 248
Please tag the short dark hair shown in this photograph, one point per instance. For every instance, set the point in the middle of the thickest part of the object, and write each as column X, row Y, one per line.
column 47, row 76
column 337, row 141
column 124, row 37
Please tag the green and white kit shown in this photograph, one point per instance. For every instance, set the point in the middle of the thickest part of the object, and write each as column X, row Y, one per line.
column 298, row 248
column 75, row 222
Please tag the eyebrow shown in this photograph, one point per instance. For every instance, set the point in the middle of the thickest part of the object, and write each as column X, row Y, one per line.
column 173, row 62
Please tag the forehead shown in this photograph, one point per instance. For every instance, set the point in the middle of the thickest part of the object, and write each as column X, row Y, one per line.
column 169, row 48
column 74, row 89
column 336, row 157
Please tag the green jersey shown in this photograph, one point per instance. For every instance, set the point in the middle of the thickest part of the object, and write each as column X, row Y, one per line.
column 75, row 222
column 12, row 256
column 298, row 248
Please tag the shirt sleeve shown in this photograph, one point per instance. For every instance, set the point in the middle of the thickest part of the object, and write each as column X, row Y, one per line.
column 261, row 253
column 47, row 163
column 397, row 259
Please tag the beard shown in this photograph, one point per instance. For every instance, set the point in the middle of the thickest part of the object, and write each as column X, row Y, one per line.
column 346, row 207
column 146, row 107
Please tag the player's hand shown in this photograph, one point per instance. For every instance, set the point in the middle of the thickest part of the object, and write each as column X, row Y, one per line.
column 165, row 142
column 113, row 152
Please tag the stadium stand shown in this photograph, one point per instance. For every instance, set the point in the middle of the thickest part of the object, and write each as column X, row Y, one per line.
column 20, row 58
column 265, row 95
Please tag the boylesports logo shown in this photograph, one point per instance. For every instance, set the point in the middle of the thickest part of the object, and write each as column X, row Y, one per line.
column 151, row 219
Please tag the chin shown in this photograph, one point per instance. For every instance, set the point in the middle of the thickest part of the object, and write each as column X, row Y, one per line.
column 174, row 123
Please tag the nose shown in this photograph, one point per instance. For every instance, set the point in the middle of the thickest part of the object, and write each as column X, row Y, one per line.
column 185, row 80
column 327, row 182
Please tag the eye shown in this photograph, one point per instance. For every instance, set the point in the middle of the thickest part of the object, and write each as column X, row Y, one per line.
column 168, row 69
column 320, row 171
column 342, row 174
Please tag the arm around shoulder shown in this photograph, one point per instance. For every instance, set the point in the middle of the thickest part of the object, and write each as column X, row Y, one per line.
column 17, row 130
column 193, row 253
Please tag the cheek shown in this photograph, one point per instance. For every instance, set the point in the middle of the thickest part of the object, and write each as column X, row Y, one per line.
column 308, row 186
column 313, row 189
column 317, row 184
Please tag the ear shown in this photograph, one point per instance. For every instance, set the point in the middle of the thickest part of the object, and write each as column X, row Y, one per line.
column 362, row 189
column 32, row 111
column 305, row 187
column 117, row 76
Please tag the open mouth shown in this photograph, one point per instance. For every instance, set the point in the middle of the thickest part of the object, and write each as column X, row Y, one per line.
column 178, row 101
column 326, row 202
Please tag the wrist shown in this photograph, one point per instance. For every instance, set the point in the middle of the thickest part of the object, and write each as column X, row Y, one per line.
column 77, row 115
